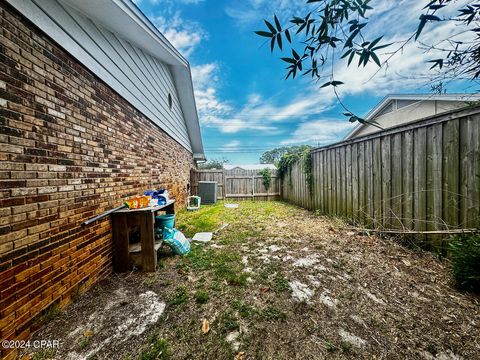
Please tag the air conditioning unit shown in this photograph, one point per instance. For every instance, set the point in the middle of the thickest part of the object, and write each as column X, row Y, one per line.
column 207, row 190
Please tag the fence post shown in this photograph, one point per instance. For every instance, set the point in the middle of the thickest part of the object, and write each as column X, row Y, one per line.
column 253, row 187
column 224, row 184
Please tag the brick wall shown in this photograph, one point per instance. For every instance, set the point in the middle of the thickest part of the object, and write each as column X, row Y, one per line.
column 70, row 148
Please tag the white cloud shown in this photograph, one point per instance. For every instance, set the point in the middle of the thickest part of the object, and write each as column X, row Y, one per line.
column 319, row 132
column 185, row 36
column 205, row 81
column 265, row 115
column 232, row 145
column 253, row 11
column 155, row 2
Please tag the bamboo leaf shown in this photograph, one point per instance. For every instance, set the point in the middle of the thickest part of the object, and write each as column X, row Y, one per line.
column 270, row 27
column 264, row 34
column 277, row 23
column 287, row 35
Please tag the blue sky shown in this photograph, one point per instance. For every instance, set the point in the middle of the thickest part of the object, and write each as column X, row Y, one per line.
column 244, row 103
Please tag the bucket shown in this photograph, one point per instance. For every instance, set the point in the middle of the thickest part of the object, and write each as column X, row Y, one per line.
column 163, row 221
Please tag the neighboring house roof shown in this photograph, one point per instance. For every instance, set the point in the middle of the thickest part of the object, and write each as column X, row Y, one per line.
column 373, row 113
column 250, row 166
column 116, row 41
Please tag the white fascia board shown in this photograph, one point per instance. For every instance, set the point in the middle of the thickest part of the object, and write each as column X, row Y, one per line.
column 184, row 85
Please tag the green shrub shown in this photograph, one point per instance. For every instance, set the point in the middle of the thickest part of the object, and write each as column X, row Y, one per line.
column 465, row 255
column 266, row 178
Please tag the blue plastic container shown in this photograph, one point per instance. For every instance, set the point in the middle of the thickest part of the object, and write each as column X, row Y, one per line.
column 163, row 221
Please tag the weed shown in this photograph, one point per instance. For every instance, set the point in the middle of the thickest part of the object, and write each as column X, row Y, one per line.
column 158, row 350
column 465, row 254
column 83, row 342
column 180, row 297
column 318, row 213
column 232, row 275
column 76, row 294
column 48, row 314
column 272, row 313
column 244, row 310
column 149, row 281
column 44, row 354
column 215, row 286
column 330, row 346
column 228, row 321
column 280, row 283
column 201, row 297
column 346, row 347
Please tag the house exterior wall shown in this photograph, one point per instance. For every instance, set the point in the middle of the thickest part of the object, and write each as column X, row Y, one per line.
column 70, row 148
column 415, row 111
column 133, row 73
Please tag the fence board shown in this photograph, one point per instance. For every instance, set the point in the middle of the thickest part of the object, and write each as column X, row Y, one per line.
column 420, row 179
column 355, row 181
column 361, row 182
column 396, row 202
column 450, row 177
column 386, row 182
column 470, row 184
column 369, row 181
column 407, row 162
column 377, row 182
column 348, row 178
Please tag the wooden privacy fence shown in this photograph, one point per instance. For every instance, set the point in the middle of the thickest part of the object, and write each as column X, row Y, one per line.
column 421, row 176
column 238, row 184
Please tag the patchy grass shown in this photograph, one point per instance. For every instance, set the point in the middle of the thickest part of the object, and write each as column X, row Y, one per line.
column 282, row 283
column 44, row 354
column 180, row 297
column 201, row 297
column 272, row 313
column 244, row 310
column 207, row 218
column 158, row 349
column 150, row 281
column 228, row 322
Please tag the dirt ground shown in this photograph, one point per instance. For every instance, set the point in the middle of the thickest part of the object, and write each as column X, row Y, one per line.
column 277, row 282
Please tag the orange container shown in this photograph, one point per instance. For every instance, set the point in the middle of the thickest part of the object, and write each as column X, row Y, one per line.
column 138, row 202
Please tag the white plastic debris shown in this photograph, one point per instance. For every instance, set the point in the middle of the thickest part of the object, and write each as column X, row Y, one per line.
column 203, row 236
